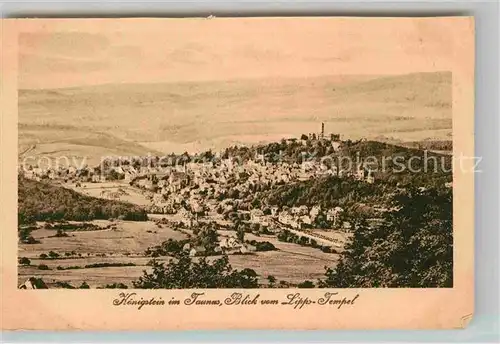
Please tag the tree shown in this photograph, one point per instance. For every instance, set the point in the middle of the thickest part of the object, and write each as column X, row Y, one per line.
column 240, row 234
column 272, row 281
column 306, row 284
column 116, row 286
column 413, row 247
column 183, row 272
column 53, row 255
column 84, row 285
column 208, row 238
column 24, row 261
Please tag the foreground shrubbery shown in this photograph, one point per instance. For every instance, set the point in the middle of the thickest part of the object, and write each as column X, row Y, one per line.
column 185, row 272
column 262, row 246
column 412, row 248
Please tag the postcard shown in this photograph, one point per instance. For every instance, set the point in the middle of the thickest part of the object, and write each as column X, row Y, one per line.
column 237, row 173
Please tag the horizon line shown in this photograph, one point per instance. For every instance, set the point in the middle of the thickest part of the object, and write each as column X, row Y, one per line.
column 229, row 80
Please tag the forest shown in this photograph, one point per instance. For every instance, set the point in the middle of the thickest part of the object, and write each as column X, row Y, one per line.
column 412, row 248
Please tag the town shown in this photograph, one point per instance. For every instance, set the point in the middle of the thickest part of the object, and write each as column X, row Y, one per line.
column 242, row 200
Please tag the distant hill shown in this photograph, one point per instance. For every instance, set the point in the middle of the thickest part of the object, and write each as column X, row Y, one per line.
column 402, row 164
column 326, row 192
column 390, row 176
column 178, row 117
column 437, row 145
column 41, row 201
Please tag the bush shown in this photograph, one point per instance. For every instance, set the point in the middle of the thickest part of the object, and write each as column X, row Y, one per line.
column 60, row 234
column 326, row 249
column 184, row 272
column 264, row 246
column 306, row 284
column 30, row 241
column 53, row 255
column 64, row 285
column 43, row 267
column 115, row 286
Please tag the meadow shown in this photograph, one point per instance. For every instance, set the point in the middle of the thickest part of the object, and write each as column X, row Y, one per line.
column 126, row 245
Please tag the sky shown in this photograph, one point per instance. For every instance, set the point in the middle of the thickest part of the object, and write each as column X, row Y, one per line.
column 72, row 53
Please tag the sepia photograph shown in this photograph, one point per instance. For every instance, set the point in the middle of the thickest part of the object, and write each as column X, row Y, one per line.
column 234, row 153
column 212, row 172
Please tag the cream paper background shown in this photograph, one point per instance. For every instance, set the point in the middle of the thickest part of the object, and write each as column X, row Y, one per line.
column 452, row 40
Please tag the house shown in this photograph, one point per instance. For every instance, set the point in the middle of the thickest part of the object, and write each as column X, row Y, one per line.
column 197, row 251
column 315, row 211
column 158, row 198
column 129, row 176
column 346, row 226
column 29, row 174
column 248, row 248
column 285, row 218
column 305, row 221
column 302, row 210
column 257, row 216
column 230, row 245
column 229, row 242
column 333, row 215
column 177, row 181
column 336, row 145
column 97, row 178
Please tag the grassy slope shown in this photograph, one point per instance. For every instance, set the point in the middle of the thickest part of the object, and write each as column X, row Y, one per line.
column 42, row 201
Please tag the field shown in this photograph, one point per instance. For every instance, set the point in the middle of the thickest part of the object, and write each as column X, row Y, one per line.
column 131, row 119
column 127, row 243
column 102, row 190
column 292, row 262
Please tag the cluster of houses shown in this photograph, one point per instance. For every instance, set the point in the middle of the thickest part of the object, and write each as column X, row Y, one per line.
column 195, row 183
column 308, row 217
column 226, row 245
column 193, row 189
column 60, row 173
